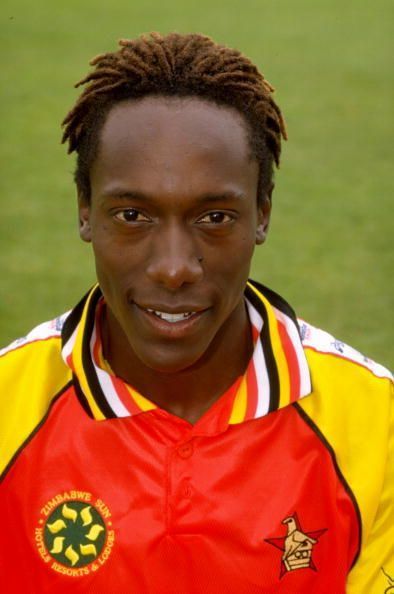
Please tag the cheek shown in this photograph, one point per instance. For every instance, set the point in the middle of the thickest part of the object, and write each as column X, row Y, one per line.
column 231, row 265
column 242, row 249
column 113, row 266
column 111, row 252
column 241, row 258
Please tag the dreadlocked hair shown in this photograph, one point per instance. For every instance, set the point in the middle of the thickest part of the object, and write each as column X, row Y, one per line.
column 181, row 66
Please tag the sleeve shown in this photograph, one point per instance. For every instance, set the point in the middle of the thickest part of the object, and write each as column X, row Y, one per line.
column 31, row 375
column 352, row 404
column 374, row 571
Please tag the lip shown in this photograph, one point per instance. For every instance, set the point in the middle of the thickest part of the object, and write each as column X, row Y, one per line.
column 170, row 309
column 175, row 330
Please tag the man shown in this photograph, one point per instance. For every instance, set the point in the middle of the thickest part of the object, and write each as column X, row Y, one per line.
column 180, row 431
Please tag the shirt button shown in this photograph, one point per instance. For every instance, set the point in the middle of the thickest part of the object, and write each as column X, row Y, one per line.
column 185, row 450
column 187, row 491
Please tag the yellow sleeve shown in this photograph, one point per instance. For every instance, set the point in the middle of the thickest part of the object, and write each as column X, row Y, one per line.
column 374, row 571
column 30, row 377
column 353, row 409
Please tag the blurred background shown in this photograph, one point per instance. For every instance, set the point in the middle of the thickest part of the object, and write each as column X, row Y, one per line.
column 330, row 249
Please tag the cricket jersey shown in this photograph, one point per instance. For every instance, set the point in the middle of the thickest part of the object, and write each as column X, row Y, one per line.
column 284, row 485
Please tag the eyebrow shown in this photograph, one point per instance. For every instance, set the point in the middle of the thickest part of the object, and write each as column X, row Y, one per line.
column 141, row 196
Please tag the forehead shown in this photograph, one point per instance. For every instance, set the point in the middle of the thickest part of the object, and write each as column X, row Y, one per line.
column 173, row 140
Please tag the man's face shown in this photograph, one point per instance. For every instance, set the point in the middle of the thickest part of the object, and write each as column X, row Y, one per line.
column 173, row 220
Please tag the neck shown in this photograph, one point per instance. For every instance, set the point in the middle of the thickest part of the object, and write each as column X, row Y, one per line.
column 190, row 392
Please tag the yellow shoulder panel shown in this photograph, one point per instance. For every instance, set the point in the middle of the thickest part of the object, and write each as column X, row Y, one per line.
column 353, row 409
column 30, row 376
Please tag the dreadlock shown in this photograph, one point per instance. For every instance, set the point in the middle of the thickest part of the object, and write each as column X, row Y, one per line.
column 181, row 66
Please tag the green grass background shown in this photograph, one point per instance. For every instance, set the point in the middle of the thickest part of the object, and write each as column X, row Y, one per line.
column 330, row 246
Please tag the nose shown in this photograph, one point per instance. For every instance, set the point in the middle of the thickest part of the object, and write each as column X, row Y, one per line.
column 174, row 260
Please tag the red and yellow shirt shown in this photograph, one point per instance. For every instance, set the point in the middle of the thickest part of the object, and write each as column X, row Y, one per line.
column 284, row 485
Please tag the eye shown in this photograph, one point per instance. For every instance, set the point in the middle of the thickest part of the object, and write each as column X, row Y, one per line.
column 216, row 217
column 131, row 215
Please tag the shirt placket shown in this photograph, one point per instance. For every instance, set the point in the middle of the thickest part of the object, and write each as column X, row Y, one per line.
column 180, row 486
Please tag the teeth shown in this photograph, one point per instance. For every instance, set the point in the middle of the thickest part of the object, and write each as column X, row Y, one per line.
column 168, row 317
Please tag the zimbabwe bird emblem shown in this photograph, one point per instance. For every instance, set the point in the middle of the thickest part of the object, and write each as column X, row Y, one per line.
column 297, row 546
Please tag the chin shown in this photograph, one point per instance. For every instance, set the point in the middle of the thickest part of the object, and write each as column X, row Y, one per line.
column 168, row 364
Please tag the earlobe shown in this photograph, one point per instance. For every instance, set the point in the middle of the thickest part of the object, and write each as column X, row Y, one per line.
column 261, row 234
column 85, row 231
column 264, row 213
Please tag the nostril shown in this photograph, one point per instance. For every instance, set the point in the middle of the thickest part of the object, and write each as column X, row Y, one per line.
column 175, row 272
column 175, row 259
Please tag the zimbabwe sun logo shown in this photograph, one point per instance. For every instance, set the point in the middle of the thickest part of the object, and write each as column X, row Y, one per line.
column 74, row 533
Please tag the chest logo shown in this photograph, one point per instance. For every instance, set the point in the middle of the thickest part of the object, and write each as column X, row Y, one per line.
column 297, row 546
column 74, row 533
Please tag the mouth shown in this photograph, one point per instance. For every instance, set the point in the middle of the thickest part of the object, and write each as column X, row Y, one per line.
column 172, row 324
column 172, row 318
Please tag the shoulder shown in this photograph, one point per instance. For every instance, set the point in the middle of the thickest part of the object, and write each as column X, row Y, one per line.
column 349, row 390
column 34, row 358
column 32, row 374
column 328, row 348
column 351, row 407
column 34, row 362
column 42, row 332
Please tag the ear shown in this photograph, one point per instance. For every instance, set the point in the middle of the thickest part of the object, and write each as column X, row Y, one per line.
column 85, row 231
column 263, row 217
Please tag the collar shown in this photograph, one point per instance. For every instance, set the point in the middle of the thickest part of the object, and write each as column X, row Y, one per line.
column 277, row 374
